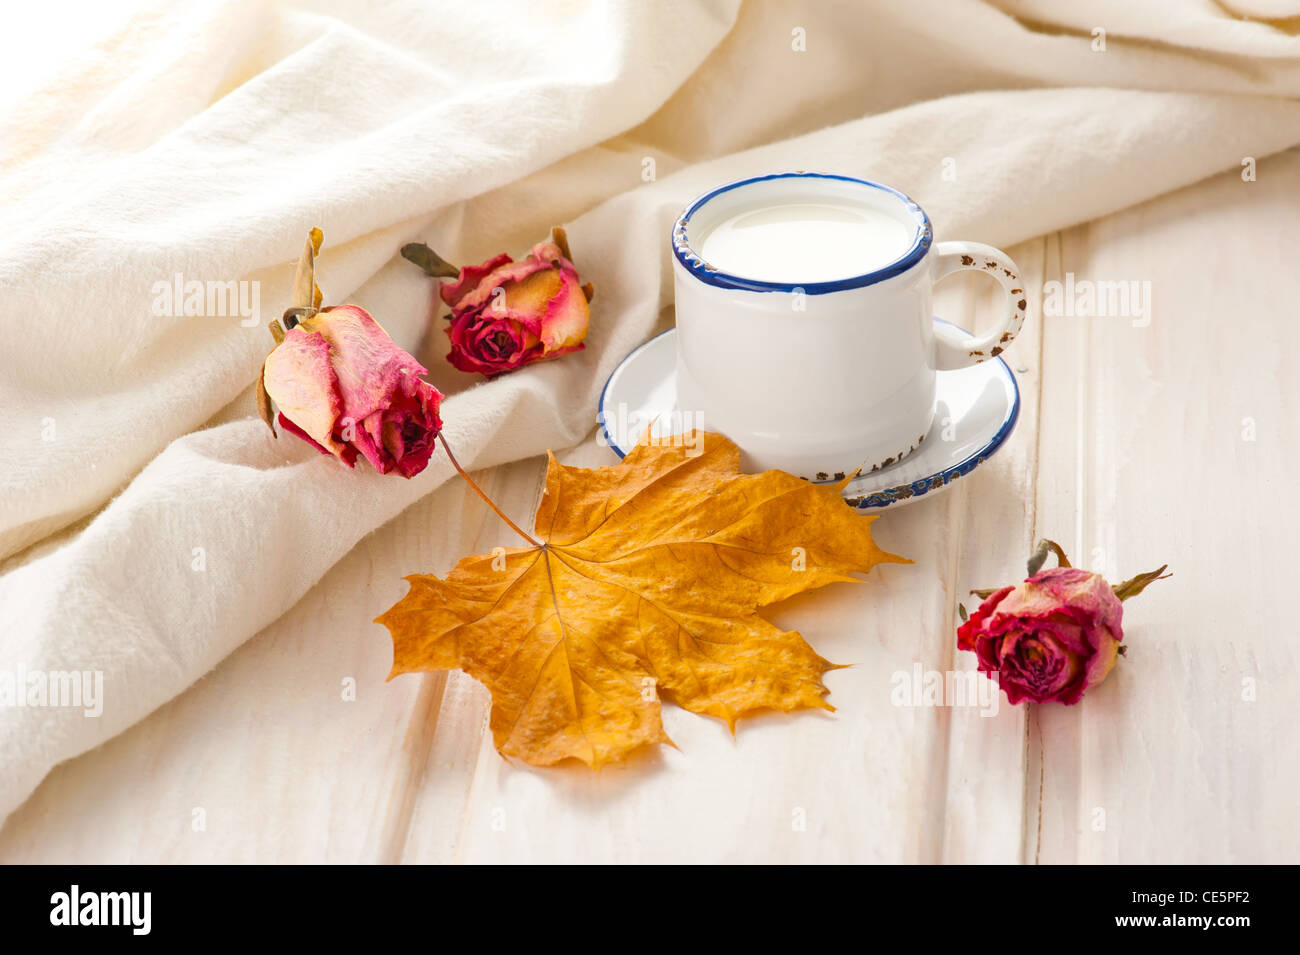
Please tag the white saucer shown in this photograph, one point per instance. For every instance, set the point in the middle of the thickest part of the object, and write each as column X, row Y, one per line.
column 975, row 411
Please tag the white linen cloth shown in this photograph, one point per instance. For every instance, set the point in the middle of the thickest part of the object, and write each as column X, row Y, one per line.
column 151, row 524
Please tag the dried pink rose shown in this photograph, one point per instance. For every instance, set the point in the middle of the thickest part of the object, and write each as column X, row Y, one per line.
column 1054, row 635
column 343, row 385
column 507, row 314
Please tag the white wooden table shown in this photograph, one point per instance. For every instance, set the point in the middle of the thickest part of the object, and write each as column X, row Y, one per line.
column 1176, row 442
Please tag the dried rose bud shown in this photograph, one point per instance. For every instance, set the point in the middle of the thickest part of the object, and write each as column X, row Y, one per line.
column 507, row 314
column 1054, row 635
column 342, row 384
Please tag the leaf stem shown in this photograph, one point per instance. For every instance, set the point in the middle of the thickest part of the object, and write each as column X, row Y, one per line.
column 486, row 500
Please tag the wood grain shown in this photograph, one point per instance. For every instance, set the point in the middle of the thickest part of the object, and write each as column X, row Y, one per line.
column 1176, row 441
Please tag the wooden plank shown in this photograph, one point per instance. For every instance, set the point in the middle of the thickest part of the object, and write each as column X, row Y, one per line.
column 989, row 535
column 1174, row 441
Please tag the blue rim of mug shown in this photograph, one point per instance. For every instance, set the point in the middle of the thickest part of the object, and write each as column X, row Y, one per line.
column 712, row 276
column 885, row 496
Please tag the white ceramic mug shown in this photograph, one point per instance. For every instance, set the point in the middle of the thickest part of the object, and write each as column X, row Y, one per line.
column 823, row 378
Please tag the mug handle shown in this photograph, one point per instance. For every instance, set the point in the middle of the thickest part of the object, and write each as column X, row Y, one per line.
column 956, row 349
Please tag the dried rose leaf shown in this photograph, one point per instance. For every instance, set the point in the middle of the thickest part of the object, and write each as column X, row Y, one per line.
column 306, row 294
column 264, row 403
column 433, row 264
column 1135, row 585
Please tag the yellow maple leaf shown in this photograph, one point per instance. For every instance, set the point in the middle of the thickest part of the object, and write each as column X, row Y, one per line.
column 645, row 585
